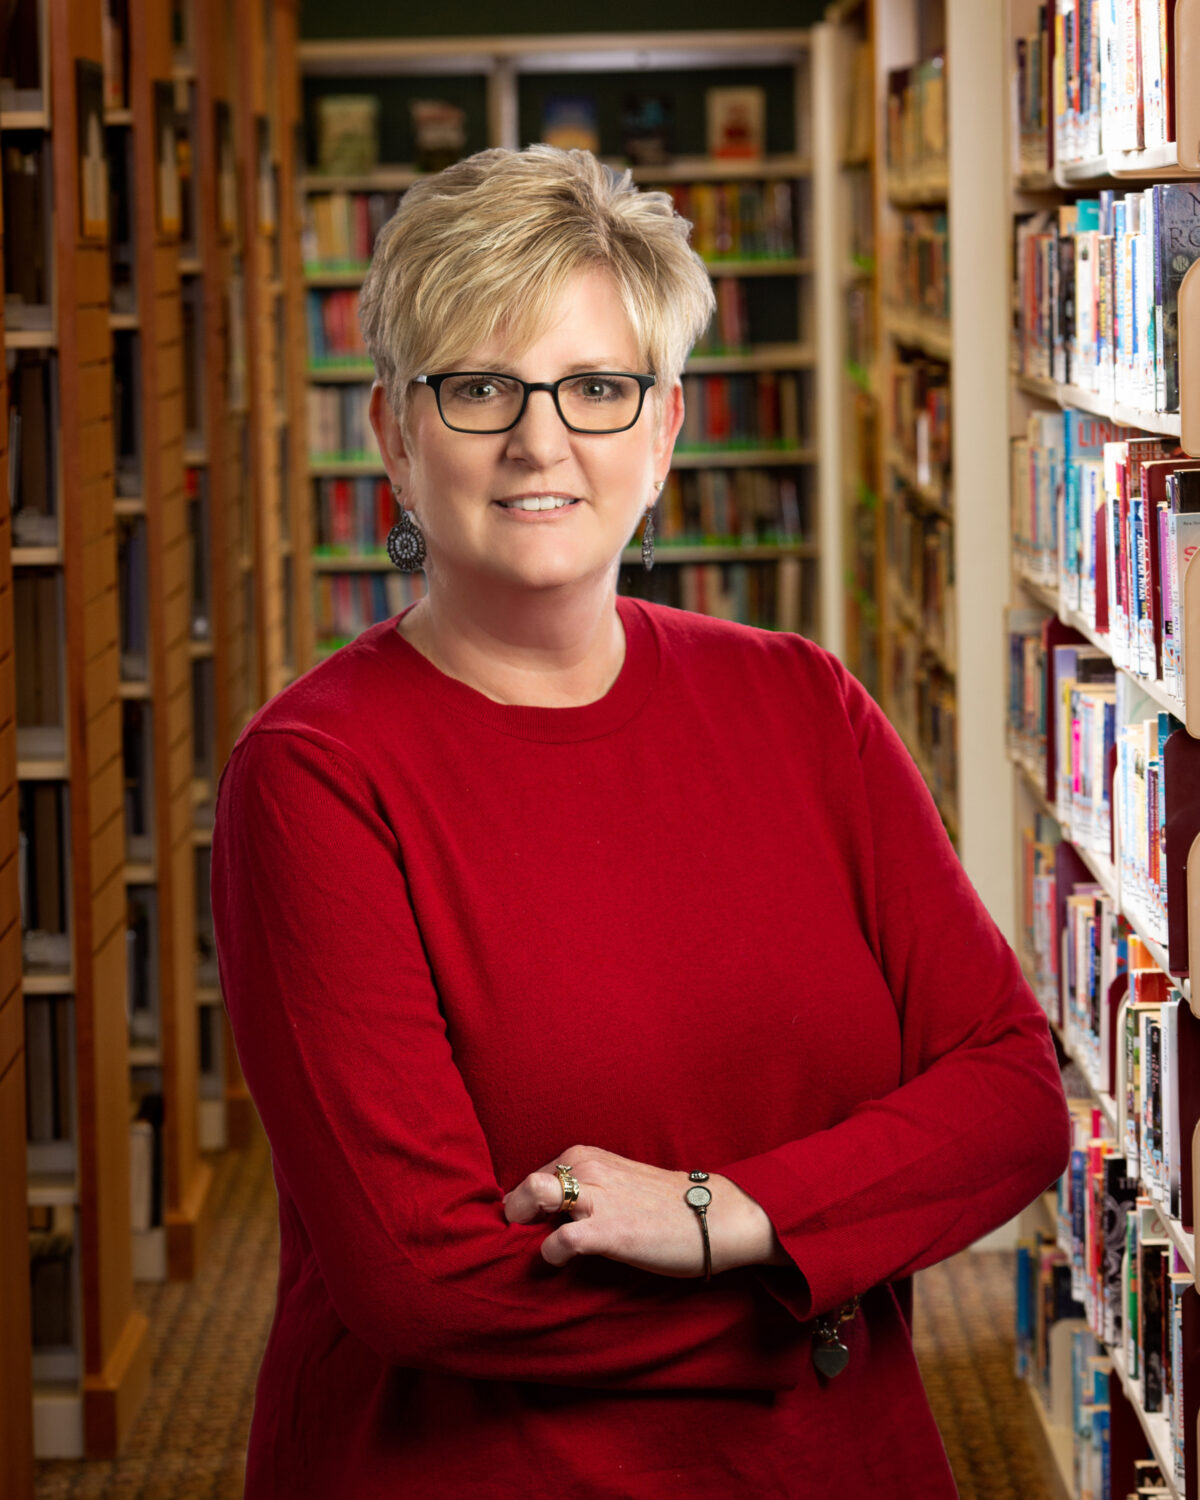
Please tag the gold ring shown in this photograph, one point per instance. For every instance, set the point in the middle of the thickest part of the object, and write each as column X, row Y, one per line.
column 570, row 1186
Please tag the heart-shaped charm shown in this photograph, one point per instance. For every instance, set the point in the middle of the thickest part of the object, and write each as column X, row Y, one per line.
column 831, row 1358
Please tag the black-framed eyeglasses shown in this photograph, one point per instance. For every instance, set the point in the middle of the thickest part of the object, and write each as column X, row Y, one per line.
column 595, row 401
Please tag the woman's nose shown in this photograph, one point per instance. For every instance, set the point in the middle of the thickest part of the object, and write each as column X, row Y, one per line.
column 540, row 437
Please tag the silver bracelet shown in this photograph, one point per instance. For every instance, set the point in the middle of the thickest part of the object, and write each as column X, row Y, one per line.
column 698, row 1198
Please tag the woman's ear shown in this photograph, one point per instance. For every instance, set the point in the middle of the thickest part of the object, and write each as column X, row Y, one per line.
column 670, row 420
column 392, row 447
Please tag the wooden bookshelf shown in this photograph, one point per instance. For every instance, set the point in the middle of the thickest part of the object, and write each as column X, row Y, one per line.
column 16, row 1386
column 162, row 431
column 808, row 570
column 1049, row 600
column 92, row 1411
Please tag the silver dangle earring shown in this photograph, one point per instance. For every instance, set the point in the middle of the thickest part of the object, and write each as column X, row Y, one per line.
column 405, row 544
column 648, row 531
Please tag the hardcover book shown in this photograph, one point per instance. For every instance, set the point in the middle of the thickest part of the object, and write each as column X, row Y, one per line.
column 736, row 123
column 1178, row 248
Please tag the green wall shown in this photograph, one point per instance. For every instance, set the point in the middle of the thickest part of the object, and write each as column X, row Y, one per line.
column 323, row 19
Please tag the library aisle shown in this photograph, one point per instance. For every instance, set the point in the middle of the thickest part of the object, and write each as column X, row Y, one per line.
column 945, row 422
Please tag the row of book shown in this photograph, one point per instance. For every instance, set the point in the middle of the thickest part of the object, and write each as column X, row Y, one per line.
column 32, row 382
column 1112, row 75
column 920, row 553
column 53, row 1292
column 732, row 507
column 141, row 966
column 340, row 228
column 1137, row 1295
column 771, row 596
column 334, row 335
column 345, row 604
column 339, row 423
column 49, row 1077
column 1130, row 524
column 1032, row 105
column 918, row 264
column 43, row 875
column 744, row 220
column 1135, row 1039
column 728, row 331
column 916, row 123
column 27, row 180
column 1060, row 1355
column 920, row 418
column 1097, row 296
column 1108, row 743
column 761, row 410
column 858, row 332
column 925, row 709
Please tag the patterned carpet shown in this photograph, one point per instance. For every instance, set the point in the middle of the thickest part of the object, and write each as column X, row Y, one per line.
column 189, row 1439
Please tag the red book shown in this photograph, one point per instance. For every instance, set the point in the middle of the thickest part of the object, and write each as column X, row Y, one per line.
column 385, row 511
column 717, row 414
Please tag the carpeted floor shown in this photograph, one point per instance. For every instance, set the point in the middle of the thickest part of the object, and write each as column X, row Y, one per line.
column 207, row 1336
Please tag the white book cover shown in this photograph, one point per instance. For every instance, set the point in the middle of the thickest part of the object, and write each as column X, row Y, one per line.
column 1154, row 122
column 1171, row 1148
column 141, row 1174
column 1131, row 104
column 1085, row 310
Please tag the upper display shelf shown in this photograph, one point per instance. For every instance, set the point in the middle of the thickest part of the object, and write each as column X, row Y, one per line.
column 603, row 53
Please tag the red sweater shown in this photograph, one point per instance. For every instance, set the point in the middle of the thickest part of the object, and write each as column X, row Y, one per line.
column 710, row 920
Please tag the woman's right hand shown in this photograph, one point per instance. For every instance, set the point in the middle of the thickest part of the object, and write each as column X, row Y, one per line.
column 635, row 1213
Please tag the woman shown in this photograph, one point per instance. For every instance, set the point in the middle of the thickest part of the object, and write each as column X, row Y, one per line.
column 623, row 1024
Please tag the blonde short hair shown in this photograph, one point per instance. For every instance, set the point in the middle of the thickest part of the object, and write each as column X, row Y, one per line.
column 486, row 247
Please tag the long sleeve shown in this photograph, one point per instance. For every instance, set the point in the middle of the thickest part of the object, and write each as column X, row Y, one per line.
column 376, row 1141
column 978, row 1125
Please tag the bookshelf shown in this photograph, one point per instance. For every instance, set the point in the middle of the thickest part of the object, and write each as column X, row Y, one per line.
column 939, row 120
column 90, row 1351
column 16, row 1424
column 1104, row 874
column 158, row 461
column 746, row 527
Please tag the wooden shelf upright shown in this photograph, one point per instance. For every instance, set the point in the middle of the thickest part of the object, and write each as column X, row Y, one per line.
column 186, row 1176
column 220, row 171
column 115, row 1348
column 293, row 441
column 260, row 146
column 16, row 1386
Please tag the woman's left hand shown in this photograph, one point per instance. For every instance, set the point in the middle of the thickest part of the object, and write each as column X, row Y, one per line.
column 635, row 1213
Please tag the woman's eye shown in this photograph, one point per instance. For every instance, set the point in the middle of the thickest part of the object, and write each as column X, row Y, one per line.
column 595, row 390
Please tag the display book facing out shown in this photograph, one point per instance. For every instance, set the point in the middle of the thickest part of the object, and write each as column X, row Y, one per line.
column 737, row 525
column 1102, row 724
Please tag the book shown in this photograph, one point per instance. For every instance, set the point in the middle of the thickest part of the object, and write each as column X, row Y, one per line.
column 93, row 163
column 1178, row 248
column 736, row 123
column 347, row 133
column 647, row 128
column 439, row 133
column 571, row 122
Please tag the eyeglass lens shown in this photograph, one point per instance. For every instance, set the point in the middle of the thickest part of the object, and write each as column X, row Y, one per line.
column 490, row 403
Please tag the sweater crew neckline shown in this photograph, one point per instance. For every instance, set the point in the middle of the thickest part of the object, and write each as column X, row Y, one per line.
column 634, row 682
